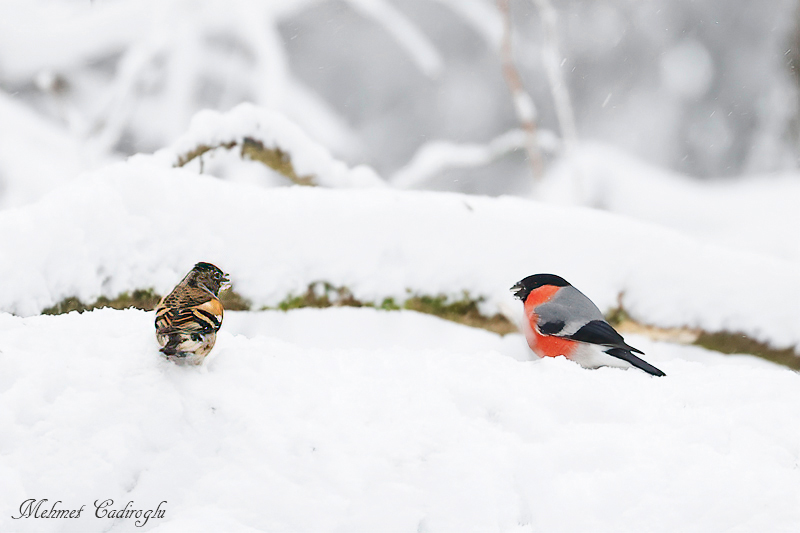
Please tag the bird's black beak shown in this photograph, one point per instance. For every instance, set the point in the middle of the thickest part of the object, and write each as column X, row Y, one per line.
column 518, row 290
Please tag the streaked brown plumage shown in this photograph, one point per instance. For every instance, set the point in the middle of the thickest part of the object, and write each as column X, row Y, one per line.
column 188, row 318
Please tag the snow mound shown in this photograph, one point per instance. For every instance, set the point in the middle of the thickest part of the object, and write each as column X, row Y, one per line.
column 757, row 213
column 295, row 429
column 273, row 130
column 138, row 225
column 36, row 156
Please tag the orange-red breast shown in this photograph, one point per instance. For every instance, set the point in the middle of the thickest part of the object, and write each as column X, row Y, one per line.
column 561, row 320
column 188, row 318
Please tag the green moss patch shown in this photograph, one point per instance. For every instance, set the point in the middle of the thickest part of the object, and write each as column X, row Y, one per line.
column 617, row 316
column 140, row 299
column 320, row 295
column 464, row 311
column 719, row 341
column 730, row 343
column 145, row 300
column 233, row 301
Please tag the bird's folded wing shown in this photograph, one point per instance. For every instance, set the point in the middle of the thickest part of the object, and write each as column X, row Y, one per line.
column 189, row 319
column 600, row 332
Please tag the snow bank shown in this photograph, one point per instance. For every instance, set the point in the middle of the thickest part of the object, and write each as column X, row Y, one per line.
column 35, row 155
column 757, row 214
column 298, row 427
column 309, row 158
column 139, row 225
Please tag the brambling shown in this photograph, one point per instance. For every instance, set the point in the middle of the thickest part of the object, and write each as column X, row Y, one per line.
column 188, row 318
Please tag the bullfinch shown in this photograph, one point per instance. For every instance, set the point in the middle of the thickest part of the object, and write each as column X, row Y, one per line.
column 560, row 320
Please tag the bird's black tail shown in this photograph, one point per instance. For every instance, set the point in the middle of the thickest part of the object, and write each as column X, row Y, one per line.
column 626, row 355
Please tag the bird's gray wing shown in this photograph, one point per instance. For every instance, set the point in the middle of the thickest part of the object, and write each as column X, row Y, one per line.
column 566, row 312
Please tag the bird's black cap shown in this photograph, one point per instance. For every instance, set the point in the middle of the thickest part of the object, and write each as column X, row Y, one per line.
column 212, row 269
column 524, row 287
column 207, row 267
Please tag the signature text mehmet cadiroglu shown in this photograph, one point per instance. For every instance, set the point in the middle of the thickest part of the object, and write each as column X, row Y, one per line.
column 33, row 508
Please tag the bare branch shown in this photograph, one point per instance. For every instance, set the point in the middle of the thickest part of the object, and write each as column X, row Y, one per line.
column 552, row 64
column 434, row 157
column 523, row 103
column 186, row 158
column 274, row 158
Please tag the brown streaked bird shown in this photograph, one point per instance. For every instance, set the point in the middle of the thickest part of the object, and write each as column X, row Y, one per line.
column 188, row 318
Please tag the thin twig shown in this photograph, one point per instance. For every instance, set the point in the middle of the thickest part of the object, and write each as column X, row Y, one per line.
column 552, row 64
column 523, row 103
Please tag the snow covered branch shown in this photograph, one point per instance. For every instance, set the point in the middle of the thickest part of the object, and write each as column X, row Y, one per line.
column 274, row 158
column 270, row 138
column 435, row 157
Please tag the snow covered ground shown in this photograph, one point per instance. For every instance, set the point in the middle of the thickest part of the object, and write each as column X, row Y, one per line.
column 366, row 420
column 351, row 419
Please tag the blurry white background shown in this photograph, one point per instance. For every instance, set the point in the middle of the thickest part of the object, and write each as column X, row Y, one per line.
column 706, row 88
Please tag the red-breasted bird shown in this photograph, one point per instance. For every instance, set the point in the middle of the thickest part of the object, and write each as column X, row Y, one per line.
column 560, row 320
column 188, row 318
